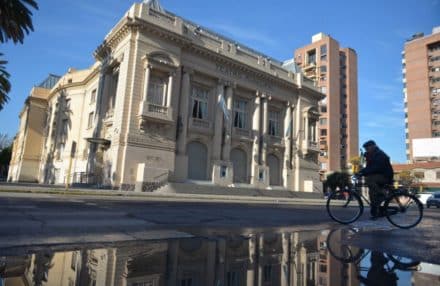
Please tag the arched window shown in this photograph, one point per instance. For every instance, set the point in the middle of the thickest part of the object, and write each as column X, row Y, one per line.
column 239, row 161
column 197, row 161
column 274, row 170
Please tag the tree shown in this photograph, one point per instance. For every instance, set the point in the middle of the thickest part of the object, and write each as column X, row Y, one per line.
column 15, row 22
column 5, row 141
column 407, row 179
column 338, row 180
column 355, row 164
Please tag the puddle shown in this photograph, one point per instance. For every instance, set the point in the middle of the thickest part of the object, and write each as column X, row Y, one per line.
column 218, row 258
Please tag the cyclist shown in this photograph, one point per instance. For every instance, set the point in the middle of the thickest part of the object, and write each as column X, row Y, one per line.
column 378, row 173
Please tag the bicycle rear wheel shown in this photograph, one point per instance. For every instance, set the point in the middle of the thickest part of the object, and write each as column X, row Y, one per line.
column 403, row 210
column 344, row 206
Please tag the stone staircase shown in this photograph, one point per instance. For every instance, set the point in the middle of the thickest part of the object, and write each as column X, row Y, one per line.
column 207, row 188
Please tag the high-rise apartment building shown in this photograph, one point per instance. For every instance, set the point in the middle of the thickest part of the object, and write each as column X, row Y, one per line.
column 421, row 89
column 334, row 70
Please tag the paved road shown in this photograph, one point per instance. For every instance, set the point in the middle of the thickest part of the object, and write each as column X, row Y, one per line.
column 42, row 219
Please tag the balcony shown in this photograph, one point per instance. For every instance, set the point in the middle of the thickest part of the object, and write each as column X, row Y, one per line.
column 309, row 66
column 200, row 125
column 276, row 141
column 241, row 133
column 108, row 119
column 310, row 146
column 155, row 113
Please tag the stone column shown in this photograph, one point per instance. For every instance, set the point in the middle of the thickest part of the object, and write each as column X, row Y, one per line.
column 218, row 124
column 251, row 271
column 170, row 90
column 260, row 259
column 285, row 265
column 288, row 126
column 228, row 124
column 221, row 260
column 260, row 172
column 222, row 172
column 256, row 137
column 306, row 129
column 144, row 104
column 210, row 264
column 181, row 165
column 265, row 131
column 183, row 112
column 172, row 262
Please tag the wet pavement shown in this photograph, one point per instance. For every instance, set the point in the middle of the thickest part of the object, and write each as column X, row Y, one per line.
column 228, row 257
column 79, row 240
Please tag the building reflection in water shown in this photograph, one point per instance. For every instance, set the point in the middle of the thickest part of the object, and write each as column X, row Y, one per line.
column 217, row 259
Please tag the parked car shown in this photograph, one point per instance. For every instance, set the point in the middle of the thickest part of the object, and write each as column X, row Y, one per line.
column 434, row 200
column 423, row 197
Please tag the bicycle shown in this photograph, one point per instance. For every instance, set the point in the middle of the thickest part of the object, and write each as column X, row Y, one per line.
column 386, row 263
column 401, row 208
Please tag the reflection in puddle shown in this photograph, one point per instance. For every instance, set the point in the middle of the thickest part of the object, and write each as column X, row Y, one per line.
column 220, row 259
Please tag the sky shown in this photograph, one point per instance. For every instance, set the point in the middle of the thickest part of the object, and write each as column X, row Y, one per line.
column 67, row 32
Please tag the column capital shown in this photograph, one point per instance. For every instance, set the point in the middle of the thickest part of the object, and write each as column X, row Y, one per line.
column 222, row 81
column 231, row 84
column 258, row 93
column 188, row 70
column 147, row 65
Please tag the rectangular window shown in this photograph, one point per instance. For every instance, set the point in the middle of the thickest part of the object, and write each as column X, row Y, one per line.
column 323, row 132
column 323, row 121
column 274, row 123
column 324, row 89
column 311, row 57
column 200, row 103
column 323, row 109
column 419, row 175
column 90, row 120
column 240, row 114
column 157, row 89
column 323, row 69
column 323, row 49
column 93, row 96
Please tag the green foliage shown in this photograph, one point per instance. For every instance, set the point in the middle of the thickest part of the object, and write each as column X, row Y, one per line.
column 5, row 86
column 15, row 23
column 15, row 20
column 407, row 179
column 338, row 179
column 5, row 156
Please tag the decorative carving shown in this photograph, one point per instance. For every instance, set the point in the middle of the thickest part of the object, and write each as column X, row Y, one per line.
column 234, row 73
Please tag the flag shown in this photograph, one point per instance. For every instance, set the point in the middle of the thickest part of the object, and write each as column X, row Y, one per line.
column 224, row 108
column 289, row 128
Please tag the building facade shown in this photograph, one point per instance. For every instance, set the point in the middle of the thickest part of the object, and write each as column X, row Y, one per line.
column 421, row 88
column 285, row 259
column 335, row 71
column 170, row 101
column 427, row 174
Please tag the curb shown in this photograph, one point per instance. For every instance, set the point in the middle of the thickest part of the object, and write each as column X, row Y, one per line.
column 165, row 196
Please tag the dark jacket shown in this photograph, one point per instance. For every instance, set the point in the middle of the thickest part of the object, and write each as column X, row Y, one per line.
column 378, row 163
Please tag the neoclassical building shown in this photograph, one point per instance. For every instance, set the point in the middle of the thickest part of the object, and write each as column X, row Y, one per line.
column 170, row 101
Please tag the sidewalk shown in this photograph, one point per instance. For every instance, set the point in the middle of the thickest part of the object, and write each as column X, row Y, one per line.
column 195, row 195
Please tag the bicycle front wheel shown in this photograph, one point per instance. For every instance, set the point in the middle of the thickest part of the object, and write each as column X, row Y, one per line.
column 344, row 207
column 403, row 210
